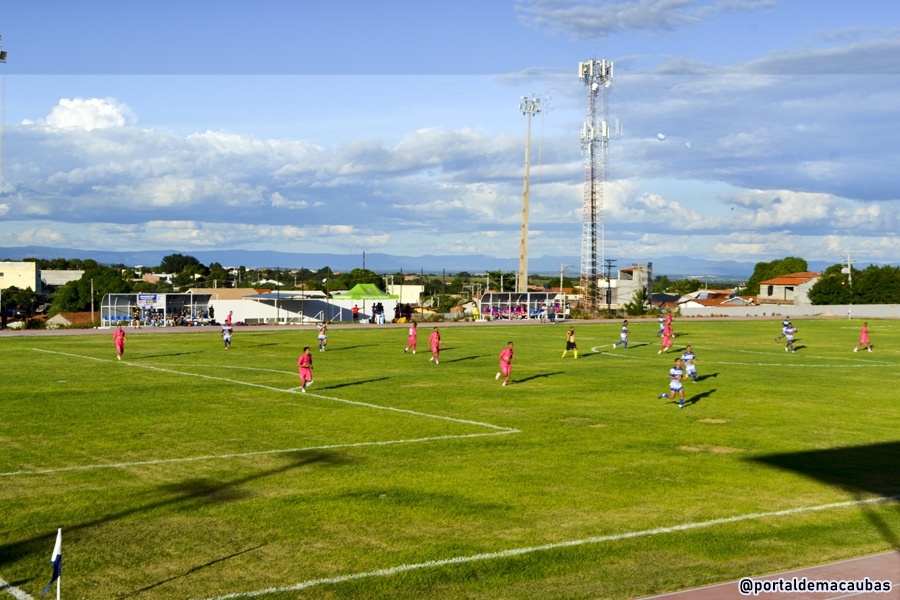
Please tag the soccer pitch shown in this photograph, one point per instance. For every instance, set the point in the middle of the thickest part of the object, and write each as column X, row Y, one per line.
column 188, row 471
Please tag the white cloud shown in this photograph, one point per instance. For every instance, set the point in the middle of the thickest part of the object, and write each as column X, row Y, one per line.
column 87, row 114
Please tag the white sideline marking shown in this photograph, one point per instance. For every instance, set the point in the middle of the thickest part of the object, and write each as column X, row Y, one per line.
column 13, row 591
column 554, row 546
column 498, row 429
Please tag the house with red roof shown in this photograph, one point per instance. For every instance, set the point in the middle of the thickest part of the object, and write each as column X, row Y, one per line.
column 790, row 289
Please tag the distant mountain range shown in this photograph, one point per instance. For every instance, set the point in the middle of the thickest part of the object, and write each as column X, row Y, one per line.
column 674, row 267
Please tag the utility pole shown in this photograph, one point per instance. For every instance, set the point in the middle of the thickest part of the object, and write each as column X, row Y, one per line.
column 610, row 263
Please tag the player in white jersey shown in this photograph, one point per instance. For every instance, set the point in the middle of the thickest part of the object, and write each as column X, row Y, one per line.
column 689, row 359
column 789, row 333
column 623, row 336
column 784, row 325
column 323, row 336
column 676, row 373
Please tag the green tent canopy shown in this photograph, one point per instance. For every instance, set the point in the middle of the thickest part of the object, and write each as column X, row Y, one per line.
column 365, row 291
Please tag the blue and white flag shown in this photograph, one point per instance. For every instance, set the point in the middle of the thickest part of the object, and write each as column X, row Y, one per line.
column 55, row 560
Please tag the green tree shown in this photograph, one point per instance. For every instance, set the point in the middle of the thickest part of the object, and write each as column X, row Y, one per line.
column 764, row 271
column 876, row 285
column 661, row 283
column 832, row 288
column 177, row 263
column 685, row 286
column 76, row 295
column 347, row 280
column 23, row 300
column 217, row 276
column 637, row 304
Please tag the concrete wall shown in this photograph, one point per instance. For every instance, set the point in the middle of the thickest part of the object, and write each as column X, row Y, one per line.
column 58, row 277
column 859, row 311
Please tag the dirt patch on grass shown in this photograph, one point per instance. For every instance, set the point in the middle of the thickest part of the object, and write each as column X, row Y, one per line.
column 710, row 449
column 717, row 421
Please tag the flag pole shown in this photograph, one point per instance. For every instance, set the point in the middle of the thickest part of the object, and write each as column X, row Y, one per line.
column 59, row 531
column 56, row 561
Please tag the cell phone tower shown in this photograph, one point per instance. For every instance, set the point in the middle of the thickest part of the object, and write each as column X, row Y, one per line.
column 597, row 77
column 2, row 119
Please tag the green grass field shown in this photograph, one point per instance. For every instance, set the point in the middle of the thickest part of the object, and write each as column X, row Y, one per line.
column 185, row 471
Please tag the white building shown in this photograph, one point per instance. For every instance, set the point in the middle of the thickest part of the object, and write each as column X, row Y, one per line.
column 22, row 275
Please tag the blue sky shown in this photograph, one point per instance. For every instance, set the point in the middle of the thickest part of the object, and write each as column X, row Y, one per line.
column 393, row 127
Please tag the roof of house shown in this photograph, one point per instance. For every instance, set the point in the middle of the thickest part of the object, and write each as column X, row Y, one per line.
column 792, row 278
column 72, row 318
column 225, row 293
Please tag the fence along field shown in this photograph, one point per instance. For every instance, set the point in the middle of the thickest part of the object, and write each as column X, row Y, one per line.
column 185, row 471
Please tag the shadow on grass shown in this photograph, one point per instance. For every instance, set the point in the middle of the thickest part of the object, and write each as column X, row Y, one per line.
column 861, row 471
column 538, row 376
column 705, row 377
column 179, row 497
column 343, row 348
column 163, row 355
column 698, row 397
column 190, row 571
column 473, row 357
column 349, row 383
column 637, row 345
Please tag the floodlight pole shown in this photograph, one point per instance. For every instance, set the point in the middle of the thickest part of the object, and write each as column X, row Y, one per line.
column 529, row 107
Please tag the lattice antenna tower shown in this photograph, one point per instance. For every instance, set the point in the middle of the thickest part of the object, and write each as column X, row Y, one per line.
column 597, row 77
column 2, row 118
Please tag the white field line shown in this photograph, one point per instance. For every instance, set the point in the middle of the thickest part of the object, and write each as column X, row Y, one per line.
column 838, row 364
column 554, row 546
column 498, row 430
column 13, row 591
column 290, row 391
column 143, row 463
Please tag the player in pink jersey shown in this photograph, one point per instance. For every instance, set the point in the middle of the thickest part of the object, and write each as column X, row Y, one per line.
column 864, row 338
column 506, row 358
column 666, row 339
column 434, row 342
column 304, row 368
column 119, row 341
column 411, row 340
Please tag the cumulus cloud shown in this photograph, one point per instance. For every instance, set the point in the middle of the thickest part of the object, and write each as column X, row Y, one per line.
column 87, row 114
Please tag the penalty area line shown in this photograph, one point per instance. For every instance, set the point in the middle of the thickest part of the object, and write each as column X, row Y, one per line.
column 458, row 560
column 163, row 461
column 291, row 391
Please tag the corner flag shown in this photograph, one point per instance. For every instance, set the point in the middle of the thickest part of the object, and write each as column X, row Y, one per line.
column 56, row 561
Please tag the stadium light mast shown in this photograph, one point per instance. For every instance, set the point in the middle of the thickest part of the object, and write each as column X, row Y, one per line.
column 597, row 77
column 529, row 107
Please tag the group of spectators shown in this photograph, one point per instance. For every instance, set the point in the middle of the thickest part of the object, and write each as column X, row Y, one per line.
column 521, row 311
column 156, row 317
column 401, row 311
